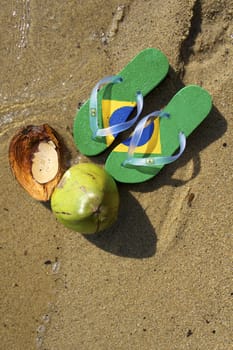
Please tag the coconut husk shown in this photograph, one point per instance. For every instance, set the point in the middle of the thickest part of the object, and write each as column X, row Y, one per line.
column 37, row 157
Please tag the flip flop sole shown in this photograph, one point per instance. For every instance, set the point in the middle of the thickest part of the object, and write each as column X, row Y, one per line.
column 187, row 109
column 143, row 74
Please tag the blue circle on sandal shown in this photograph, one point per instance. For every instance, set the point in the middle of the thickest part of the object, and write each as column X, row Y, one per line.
column 121, row 115
column 145, row 137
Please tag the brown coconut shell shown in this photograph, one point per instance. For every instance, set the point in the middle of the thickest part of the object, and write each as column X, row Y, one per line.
column 24, row 149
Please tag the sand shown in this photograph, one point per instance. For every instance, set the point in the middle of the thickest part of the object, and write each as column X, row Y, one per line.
column 161, row 277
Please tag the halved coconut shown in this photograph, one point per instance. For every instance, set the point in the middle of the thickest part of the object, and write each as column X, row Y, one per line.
column 37, row 157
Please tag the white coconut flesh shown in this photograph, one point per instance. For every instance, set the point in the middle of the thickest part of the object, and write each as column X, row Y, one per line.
column 45, row 162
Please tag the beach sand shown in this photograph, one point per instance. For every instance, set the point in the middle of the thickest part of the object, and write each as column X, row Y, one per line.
column 161, row 277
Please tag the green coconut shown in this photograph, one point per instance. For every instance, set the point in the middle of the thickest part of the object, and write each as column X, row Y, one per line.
column 86, row 199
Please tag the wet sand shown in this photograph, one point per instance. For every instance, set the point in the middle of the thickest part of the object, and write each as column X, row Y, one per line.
column 161, row 277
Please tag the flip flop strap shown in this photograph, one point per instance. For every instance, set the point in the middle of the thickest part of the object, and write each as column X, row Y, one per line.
column 151, row 161
column 93, row 114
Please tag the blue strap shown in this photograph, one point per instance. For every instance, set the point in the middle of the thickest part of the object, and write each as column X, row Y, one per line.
column 93, row 114
column 151, row 161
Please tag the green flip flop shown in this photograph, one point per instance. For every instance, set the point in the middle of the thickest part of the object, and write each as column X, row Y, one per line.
column 158, row 135
column 105, row 114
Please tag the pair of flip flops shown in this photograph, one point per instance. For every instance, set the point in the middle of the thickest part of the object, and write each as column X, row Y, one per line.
column 156, row 136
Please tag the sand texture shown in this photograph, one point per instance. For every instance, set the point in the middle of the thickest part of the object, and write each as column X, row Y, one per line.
column 161, row 277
